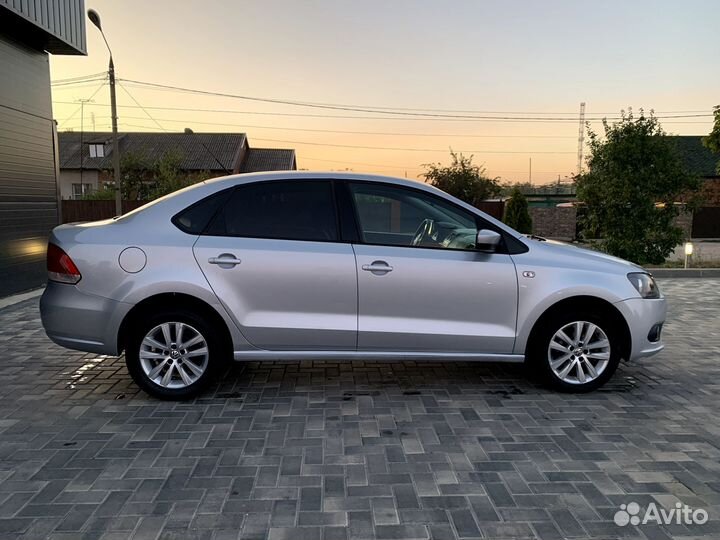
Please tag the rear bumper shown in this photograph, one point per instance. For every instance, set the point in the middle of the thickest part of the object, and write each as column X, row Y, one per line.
column 81, row 321
column 642, row 316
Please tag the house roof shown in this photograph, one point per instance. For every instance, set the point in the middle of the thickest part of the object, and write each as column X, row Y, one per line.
column 698, row 158
column 198, row 151
column 268, row 159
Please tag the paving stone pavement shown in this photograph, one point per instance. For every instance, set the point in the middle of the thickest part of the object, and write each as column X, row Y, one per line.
column 361, row 450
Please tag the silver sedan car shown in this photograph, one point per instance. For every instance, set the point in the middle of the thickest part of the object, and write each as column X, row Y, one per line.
column 300, row 265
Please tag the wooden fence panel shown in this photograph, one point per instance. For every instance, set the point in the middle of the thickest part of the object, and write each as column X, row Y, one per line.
column 706, row 222
column 74, row 211
column 493, row 208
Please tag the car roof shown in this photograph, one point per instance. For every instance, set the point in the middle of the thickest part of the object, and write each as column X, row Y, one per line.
column 174, row 202
column 315, row 175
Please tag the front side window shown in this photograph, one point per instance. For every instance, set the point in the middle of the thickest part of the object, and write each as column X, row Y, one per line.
column 286, row 210
column 392, row 215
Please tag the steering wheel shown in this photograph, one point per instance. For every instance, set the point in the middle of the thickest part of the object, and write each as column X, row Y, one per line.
column 426, row 229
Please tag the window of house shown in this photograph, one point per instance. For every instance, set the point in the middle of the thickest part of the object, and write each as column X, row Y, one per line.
column 78, row 190
column 97, row 150
column 283, row 210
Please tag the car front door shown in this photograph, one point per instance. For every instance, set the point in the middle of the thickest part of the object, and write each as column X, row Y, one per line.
column 422, row 285
column 273, row 257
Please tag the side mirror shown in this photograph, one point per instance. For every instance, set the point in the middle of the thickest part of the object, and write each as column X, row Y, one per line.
column 487, row 240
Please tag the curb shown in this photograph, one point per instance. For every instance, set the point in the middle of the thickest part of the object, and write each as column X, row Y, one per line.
column 685, row 272
column 8, row 301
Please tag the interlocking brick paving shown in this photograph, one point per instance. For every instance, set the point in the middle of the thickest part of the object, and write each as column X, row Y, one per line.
column 339, row 450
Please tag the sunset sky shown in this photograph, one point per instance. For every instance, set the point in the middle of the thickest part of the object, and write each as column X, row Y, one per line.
column 512, row 59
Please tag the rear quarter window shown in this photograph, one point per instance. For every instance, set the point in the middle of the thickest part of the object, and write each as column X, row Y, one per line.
column 196, row 217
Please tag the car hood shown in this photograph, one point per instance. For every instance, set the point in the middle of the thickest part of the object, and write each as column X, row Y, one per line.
column 570, row 255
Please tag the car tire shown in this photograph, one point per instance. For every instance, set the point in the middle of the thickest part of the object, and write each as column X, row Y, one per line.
column 571, row 363
column 167, row 367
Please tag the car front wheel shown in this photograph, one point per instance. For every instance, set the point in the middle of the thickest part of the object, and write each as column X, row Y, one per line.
column 576, row 352
column 172, row 355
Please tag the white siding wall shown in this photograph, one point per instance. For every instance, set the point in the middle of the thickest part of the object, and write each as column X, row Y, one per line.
column 68, row 177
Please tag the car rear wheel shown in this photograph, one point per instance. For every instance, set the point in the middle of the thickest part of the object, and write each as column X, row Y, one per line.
column 576, row 352
column 172, row 355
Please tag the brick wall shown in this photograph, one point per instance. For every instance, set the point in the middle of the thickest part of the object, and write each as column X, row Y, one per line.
column 558, row 223
column 710, row 191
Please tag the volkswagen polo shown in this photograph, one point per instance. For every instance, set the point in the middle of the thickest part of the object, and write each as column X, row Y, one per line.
column 337, row 266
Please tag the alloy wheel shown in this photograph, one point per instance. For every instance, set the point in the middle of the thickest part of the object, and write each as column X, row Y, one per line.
column 174, row 355
column 579, row 352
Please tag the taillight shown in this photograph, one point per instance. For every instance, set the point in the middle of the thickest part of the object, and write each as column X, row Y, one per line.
column 60, row 266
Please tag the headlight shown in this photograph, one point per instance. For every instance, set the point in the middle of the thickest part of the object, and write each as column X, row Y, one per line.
column 644, row 284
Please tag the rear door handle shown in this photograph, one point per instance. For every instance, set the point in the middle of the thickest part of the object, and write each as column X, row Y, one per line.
column 225, row 259
column 379, row 267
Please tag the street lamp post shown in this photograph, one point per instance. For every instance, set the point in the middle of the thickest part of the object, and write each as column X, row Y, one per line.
column 95, row 19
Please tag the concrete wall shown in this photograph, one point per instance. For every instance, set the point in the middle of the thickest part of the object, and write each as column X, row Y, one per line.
column 68, row 177
column 553, row 222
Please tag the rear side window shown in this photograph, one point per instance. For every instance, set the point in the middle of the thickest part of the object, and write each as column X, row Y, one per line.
column 286, row 210
column 195, row 218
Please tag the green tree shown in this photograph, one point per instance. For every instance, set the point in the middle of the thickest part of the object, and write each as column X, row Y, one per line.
column 168, row 177
column 517, row 214
column 712, row 141
column 145, row 180
column 134, row 175
column 462, row 179
column 105, row 193
column 634, row 183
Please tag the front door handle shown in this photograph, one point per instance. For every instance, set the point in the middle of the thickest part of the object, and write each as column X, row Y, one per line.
column 225, row 260
column 378, row 267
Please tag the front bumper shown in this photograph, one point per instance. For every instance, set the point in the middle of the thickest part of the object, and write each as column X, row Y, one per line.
column 642, row 316
column 81, row 321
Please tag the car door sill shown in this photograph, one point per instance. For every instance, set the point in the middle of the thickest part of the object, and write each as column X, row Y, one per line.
column 376, row 355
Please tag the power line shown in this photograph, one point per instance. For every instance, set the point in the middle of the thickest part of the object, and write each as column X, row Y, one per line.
column 355, row 108
column 82, row 78
column 376, row 165
column 78, row 84
column 143, row 108
column 81, row 105
column 346, row 117
column 375, row 108
column 364, row 109
column 351, row 132
column 378, row 107
column 397, row 149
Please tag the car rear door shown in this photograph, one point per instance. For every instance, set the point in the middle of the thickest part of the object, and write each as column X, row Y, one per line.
column 274, row 259
column 435, row 294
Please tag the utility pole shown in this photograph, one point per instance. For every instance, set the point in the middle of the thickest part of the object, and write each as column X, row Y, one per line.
column 581, row 138
column 116, row 148
column 82, row 134
column 530, row 172
column 95, row 19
